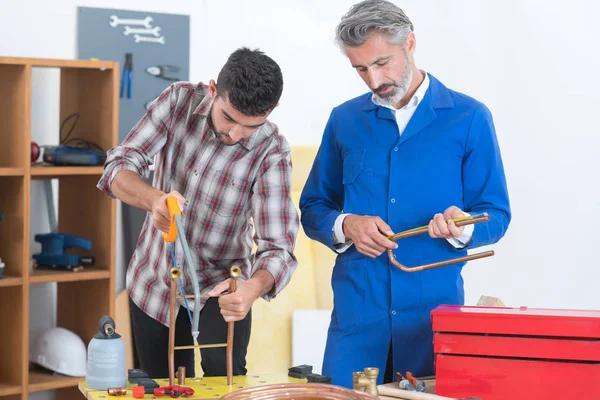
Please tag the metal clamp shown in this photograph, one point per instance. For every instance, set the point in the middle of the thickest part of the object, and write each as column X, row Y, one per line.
column 463, row 221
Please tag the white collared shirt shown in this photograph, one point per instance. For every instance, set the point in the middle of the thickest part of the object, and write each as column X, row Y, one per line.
column 403, row 116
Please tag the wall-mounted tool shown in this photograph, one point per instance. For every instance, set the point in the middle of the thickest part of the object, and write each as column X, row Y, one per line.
column 159, row 71
column 462, row 221
column 127, row 76
column 53, row 255
column 127, row 30
column 139, row 38
column 116, row 21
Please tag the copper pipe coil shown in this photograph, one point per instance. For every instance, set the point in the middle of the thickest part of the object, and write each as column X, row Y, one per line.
column 309, row 391
column 425, row 229
column 235, row 273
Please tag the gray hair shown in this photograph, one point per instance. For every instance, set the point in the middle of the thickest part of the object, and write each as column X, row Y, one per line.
column 373, row 16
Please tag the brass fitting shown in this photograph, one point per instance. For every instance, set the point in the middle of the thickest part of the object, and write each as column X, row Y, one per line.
column 175, row 273
column 366, row 381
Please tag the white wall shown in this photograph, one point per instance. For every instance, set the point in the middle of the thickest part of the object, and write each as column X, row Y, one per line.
column 534, row 63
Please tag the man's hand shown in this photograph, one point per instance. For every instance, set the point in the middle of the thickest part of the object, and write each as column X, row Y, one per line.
column 369, row 234
column 442, row 226
column 235, row 306
column 160, row 213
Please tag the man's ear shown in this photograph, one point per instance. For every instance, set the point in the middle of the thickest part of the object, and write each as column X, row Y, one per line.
column 212, row 89
column 410, row 45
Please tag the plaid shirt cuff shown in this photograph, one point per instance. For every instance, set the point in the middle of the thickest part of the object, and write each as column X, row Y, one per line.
column 281, row 272
column 110, row 171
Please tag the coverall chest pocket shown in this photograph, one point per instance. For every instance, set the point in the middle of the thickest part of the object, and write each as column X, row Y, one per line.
column 227, row 194
column 358, row 183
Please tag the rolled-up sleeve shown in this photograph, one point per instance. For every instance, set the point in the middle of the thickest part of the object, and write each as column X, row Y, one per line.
column 136, row 153
column 276, row 220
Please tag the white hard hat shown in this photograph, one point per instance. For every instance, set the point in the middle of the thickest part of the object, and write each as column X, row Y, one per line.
column 62, row 351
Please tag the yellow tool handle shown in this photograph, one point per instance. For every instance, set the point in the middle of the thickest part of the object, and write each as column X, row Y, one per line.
column 174, row 210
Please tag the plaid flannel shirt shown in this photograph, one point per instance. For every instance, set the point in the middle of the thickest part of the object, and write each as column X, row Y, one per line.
column 233, row 194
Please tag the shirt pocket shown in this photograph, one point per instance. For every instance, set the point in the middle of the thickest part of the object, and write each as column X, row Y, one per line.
column 358, row 183
column 227, row 193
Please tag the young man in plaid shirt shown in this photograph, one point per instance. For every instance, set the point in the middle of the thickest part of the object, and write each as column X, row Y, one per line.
column 230, row 169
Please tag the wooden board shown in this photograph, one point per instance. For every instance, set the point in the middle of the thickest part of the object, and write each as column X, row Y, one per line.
column 204, row 388
column 123, row 325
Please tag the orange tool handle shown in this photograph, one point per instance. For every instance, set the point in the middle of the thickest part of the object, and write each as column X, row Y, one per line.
column 174, row 210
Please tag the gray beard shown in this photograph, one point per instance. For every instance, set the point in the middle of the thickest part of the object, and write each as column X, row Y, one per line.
column 398, row 92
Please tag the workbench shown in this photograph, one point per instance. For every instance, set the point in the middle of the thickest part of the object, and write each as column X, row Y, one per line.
column 204, row 388
column 216, row 387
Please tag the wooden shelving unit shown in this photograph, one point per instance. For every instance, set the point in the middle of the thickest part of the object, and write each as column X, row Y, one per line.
column 91, row 89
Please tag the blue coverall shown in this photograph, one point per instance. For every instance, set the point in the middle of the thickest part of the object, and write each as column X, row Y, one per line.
column 447, row 155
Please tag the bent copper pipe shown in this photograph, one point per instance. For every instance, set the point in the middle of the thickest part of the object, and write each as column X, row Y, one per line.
column 175, row 273
column 474, row 219
column 235, row 273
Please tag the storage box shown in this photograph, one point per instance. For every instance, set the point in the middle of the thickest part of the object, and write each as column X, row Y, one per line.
column 501, row 353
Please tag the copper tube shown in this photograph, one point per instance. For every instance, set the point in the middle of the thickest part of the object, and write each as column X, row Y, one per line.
column 181, row 376
column 116, row 391
column 201, row 346
column 172, row 329
column 314, row 391
column 425, row 229
column 235, row 273
column 202, row 296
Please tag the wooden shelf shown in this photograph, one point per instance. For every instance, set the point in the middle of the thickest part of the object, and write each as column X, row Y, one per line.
column 12, row 171
column 11, row 281
column 87, row 274
column 40, row 381
column 50, row 171
column 82, row 297
column 56, row 63
column 9, row 390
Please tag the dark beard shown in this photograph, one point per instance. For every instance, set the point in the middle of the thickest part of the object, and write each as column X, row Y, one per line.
column 219, row 135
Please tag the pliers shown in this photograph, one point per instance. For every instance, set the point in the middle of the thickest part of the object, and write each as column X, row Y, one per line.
column 127, row 76
column 159, row 71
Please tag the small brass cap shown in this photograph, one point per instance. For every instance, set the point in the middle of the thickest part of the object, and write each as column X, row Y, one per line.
column 236, row 272
column 175, row 273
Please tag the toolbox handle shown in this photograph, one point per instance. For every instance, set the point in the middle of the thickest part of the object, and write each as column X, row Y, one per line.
column 462, row 221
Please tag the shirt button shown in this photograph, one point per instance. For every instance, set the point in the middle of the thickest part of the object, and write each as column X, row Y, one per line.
column 395, row 149
column 195, row 172
column 393, row 200
column 393, row 312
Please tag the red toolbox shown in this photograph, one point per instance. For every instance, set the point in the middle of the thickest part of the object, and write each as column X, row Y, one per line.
column 501, row 353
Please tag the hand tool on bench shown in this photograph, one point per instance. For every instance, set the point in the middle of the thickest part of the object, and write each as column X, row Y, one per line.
column 462, row 221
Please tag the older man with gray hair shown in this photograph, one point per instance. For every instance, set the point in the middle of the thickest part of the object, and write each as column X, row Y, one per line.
column 409, row 152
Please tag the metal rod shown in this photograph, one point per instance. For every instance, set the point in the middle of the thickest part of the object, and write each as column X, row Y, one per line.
column 463, row 221
column 200, row 346
column 235, row 273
